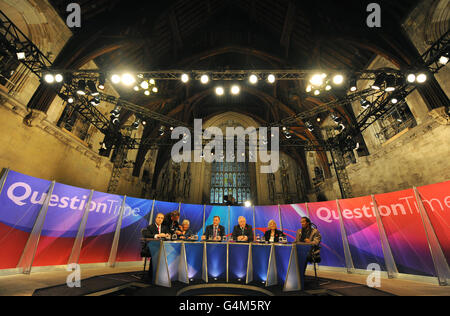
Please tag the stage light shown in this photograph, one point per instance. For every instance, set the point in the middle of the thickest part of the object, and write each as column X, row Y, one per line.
column 378, row 82
column 115, row 79
column 162, row 131
column 253, row 79
column 136, row 88
column 390, row 83
column 81, row 90
column 220, row 91
column 235, row 90
column 309, row 88
column 147, row 93
column 394, row 100
column 152, row 82
column 421, row 78
column 185, row 78
column 59, row 78
column 444, row 59
column 271, row 78
column 101, row 82
column 353, row 84
column 92, row 88
column 319, row 120
column 21, row 55
column 317, row 92
column 70, row 100
column 49, row 78
column 128, row 79
column 248, row 204
column 155, row 90
column 144, row 85
column 95, row 101
column 136, row 123
column 144, row 123
column 338, row 79
column 309, row 126
column 317, row 80
column 204, row 79
column 328, row 88
column 365, row 104
column 411, row 78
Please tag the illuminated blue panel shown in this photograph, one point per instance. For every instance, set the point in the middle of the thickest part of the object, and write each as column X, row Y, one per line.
column 173, row 252
column 302, row 254
column 194, row 257
column 154, row 247
column 217, row 260
column 238, row 261
column 282, row 254
column 260, row 260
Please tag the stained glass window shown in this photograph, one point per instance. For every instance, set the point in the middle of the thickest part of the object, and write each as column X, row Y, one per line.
column 230, row 179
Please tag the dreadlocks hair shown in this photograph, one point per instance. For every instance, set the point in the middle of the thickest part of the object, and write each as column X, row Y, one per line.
column 309, row 222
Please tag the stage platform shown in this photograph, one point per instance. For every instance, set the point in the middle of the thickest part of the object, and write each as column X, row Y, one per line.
column 127, row 281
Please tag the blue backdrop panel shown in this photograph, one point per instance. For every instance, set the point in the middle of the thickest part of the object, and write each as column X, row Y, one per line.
column 282, row 254
column 217, row 260
column 173, row 252
column 193, row 213
column 236, row 212
column 291, row 216
column 238, row 261
column 194, row 257
column 221, row 211
column 260, row 261
column 154, row 247
column 263, row 214
column 164, row 207
column 302, row 254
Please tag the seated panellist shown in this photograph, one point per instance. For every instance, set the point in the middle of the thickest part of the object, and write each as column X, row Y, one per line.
column 214, row 232
column 243, row 232
column 186, row 232
column 157, row 230
column 273, row 234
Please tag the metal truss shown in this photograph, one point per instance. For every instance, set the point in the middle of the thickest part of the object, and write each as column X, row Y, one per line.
column 341, row 169
column 432, row 55
column 14, row 41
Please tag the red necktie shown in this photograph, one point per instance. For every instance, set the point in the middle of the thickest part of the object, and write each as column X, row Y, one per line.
column 159, row 229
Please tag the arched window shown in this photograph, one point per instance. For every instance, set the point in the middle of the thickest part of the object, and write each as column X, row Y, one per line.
column 231, row 179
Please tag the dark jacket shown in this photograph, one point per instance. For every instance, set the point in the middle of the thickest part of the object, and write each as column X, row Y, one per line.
column 248, row 231
column 173, row 226
column 152, row 230
column 278, row 234
column 188, row 234
column 209, row 231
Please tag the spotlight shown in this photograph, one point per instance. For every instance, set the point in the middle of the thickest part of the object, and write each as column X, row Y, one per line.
column 144, row 123
column 220, row 91
column 309, row 126
column 411, row 78
column 421, row 78
column 70, row 100
column 309, row 88
column 248, row 204
column 317, row 80
column 116, row 112
column 81, row 87
column 185, row 78
column 144, row 85
column 49, row 78
column 101, row 82
column 271, row 78
column 128, row 79
column 21, row 55
column 390, row 83
column 115, row 79
column 353, row 85
column 92, row 88
column 317, row 92
column 162, row 130
column 59, row 78
column 147, row 92
column 338, row 79
column 95, row 102
column 336, row 118
column 365, row 104
column 155, row 90
column 152, row 82
column 235, row 90
column 136, row 88
column 394, row 100
column 444, row 59
column 319, row 119
column 253, row 79
column 378, row 82
column 328, row 88
column 136, row 123
column 204, row 79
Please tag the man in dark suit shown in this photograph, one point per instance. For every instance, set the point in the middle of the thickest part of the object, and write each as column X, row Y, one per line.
column 215, row 231
column 157, row 230
column 243, row 232
column 171, row 220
